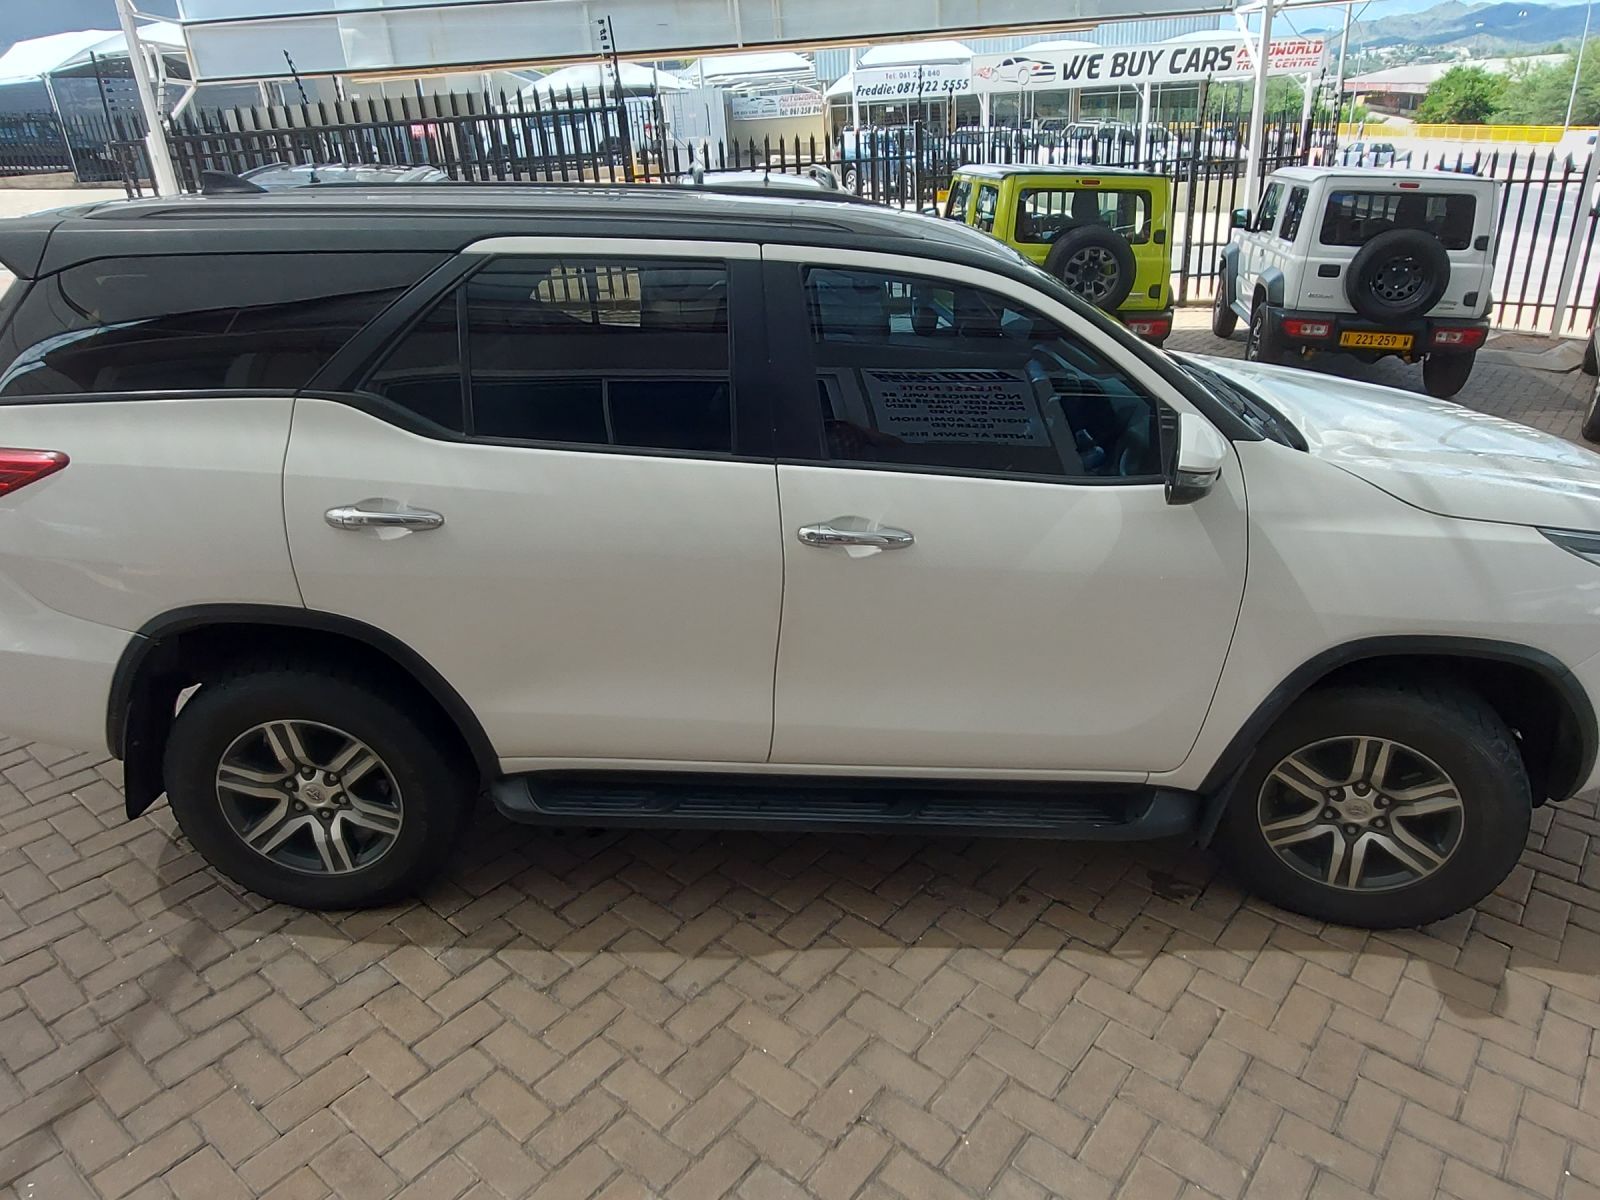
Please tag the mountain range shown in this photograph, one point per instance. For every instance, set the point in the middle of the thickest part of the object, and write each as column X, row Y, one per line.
column 1483, row 29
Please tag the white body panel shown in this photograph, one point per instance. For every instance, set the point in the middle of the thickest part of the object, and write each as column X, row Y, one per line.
column 586, row 605
column 1031, row 625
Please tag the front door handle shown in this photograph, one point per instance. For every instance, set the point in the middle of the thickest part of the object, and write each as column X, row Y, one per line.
column 362, row 516
column 883, row 538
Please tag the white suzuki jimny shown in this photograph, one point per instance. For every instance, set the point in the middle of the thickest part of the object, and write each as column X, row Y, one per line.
column 1363, row 262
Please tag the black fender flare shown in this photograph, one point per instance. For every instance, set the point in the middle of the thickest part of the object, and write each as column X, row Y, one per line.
column 1272, row 280
column 137, row 718
column 1217, row 787
column 1228, row 271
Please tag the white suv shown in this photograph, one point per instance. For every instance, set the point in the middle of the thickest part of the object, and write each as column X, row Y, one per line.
column 1363, row 262
column 326, row 512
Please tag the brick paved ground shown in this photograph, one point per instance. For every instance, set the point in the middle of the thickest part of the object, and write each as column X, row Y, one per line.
column 639, row 1015
column 628, row 1016
column 1553, row 401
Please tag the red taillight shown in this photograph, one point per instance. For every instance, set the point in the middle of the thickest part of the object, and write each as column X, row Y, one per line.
column 1152, row 330
column 19, row 468
column 1410, row 185
column 1467, row 338
column 1307, row 329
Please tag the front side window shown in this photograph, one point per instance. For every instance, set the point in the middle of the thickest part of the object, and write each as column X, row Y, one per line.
column 601, row 353
column 1044, row 214
column 201, row 322
column 1268, row 216
column 988, row 204
column 919, row 373
column 1293, row 210
column 1353, row 218
column 956, row 206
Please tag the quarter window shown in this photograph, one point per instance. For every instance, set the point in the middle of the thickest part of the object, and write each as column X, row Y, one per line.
column 1293, row 210
column 919, row 373
column 956, row 207
column 1044, row 214
column 602, row 353
column 201, row 322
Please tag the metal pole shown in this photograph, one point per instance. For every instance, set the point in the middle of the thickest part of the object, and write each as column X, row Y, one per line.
column 1569, row 265
column 61, row 124
column 155, row 139
column 1344, row 49
column 855, row 91
column 1258, row 109
column 1577, row 66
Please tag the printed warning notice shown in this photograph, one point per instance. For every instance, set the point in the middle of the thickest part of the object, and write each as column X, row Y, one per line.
column 989, row 407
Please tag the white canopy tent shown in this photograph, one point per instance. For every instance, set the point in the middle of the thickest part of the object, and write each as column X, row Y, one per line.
column 41, row 58
column 631, row 77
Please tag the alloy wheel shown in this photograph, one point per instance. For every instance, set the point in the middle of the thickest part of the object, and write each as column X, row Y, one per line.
column 1361, row 814
column 309, row 797
column 1090, row 272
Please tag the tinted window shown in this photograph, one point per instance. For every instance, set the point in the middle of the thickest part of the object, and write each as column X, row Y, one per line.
column 1353, row 218
column 921, row 373
column 988, row 201
column 597, row 353
column 422, row 372
column 1269, row 209
column 1044, row 214
column 607, row 353
column 1292, row 212
column 238, row 322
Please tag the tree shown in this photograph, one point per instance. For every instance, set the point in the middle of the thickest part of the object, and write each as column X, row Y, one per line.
column 1463, row 96
column 1536, row 93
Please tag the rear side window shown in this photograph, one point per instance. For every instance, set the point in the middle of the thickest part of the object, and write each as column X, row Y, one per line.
column 988, row 202
column 600, row 353
column 1268, row 216
column 203, row 322
column 1044, row 214
column 1293, row 210
column 1353, row 218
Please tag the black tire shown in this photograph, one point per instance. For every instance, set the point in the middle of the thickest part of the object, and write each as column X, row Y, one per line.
column 1261, row 343
column 1454, row 728
column 1591, row 419
column 1077, row 259
column 435, row 786
column 851, row 178
column 1223, row 319
column 1397, row 276
column 1591, row 363
column 1443, row 375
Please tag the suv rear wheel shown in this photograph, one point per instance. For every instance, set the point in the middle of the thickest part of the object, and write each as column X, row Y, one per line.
column 1380, row 806
column 1261, row 343
column 313, row 789
column 1591, row 418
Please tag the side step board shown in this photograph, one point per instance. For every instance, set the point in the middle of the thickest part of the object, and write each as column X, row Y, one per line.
column 745, row 802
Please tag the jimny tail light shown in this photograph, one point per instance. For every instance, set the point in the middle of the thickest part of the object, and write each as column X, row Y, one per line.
column 1462, row 339
column 1307, row 330
column 1151, row 330
column 19, row 468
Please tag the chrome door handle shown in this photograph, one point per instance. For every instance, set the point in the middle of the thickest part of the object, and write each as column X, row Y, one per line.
column 355, row 516
column 830, row 535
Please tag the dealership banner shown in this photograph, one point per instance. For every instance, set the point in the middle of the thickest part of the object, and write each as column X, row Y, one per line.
column 1161, row 62
column 786, row 104
column 928, row 80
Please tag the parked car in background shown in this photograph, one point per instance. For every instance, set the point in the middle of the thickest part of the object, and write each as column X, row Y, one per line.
column 1337, row 259
column 276, row 177
column 1372, row 154
column 1102, row 231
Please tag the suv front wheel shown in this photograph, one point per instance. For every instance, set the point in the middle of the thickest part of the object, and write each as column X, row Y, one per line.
column 313, row 788
column 1380, row 806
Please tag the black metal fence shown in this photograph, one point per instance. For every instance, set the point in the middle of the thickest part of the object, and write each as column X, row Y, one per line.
column 42, row 143
column 1546, row 258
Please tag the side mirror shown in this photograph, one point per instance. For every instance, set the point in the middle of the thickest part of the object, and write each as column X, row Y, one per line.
column 1241, row 218
column 1195, row 460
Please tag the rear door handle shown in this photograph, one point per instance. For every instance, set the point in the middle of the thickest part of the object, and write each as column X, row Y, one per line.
column 362, row 516
column 883, row 538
